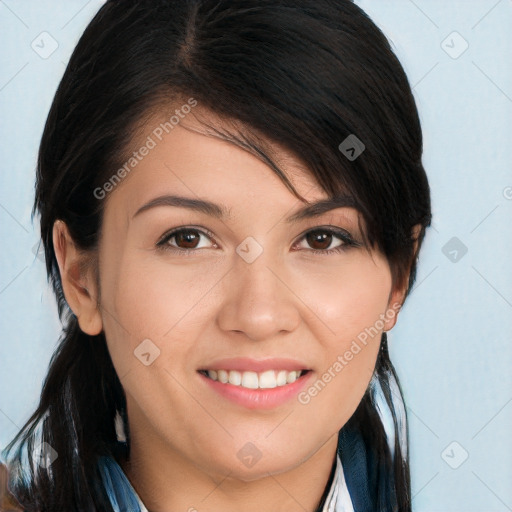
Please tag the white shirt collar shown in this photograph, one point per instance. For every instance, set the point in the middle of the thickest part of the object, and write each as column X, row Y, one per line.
column 338, row 499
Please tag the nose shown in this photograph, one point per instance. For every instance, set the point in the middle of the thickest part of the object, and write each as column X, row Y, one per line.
column 259, row 301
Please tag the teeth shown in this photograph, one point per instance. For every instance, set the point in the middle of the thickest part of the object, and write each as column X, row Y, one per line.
column 222, row 376
column 252, row 380
column 235, row 378
column 281, row 378
column 291, row 377
column 267, row 379
column 249, row 380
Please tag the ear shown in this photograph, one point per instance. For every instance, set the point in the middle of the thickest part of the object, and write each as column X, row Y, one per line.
column 78, row 280
column 397, row 295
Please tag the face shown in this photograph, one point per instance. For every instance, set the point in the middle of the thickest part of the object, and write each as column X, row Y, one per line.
column 289, row 312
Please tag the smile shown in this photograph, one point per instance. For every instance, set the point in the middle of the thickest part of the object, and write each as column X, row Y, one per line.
column 268, row 379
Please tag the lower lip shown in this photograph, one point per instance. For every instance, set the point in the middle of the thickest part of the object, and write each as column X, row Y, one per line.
column 258, row 398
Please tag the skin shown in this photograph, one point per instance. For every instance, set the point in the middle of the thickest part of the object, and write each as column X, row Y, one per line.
column 289, row 302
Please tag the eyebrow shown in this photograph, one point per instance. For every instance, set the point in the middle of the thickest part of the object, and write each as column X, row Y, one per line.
column 221, row 212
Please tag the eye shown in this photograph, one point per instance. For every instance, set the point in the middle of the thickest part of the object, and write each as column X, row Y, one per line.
column 322, row 240
column 185, row 240
column 188, row 239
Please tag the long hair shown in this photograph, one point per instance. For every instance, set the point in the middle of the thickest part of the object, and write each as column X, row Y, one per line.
column 305, row 74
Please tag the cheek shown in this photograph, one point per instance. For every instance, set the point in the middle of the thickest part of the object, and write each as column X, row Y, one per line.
column 350, row 304
column 347, row 297
column 151, row 300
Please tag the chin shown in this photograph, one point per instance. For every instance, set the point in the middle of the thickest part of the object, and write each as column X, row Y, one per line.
column 250, row 463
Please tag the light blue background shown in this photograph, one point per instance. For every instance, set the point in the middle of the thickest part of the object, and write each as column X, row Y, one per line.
column 452, row 345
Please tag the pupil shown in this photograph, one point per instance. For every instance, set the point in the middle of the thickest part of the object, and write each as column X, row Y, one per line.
column 187, row 238
column 319, row 236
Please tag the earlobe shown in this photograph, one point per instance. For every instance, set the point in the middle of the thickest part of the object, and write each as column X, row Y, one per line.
column 397, row 297
column 391, row 314
column 77, row 277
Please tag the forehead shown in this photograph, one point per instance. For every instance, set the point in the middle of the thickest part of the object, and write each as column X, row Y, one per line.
column 193, row 167
column 193, row 159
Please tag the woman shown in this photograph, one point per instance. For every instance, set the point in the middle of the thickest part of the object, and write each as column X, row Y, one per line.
column 232, row 203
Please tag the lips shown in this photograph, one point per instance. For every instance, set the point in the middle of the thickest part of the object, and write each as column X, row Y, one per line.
column 253, row 389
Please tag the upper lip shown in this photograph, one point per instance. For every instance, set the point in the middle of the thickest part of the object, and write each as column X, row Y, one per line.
column 242, row 364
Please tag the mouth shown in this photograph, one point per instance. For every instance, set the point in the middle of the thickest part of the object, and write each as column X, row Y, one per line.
column 256, row 383
column 268, row 379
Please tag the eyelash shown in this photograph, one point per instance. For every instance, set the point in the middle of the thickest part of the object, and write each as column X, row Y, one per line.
column 347, row 240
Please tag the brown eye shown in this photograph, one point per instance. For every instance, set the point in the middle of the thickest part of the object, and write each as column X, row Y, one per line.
column 186, row 239
column 320, row 240
column 327, row 241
